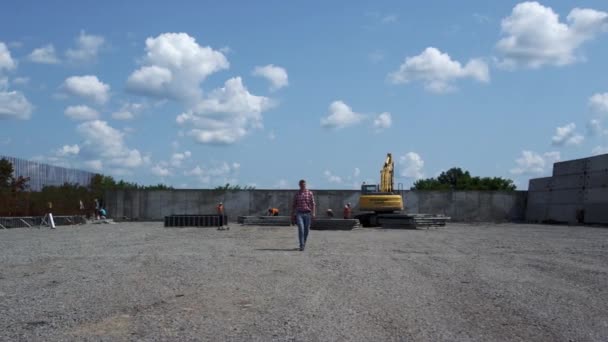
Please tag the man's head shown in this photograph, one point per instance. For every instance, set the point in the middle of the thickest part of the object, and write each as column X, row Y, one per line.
column 302, row 184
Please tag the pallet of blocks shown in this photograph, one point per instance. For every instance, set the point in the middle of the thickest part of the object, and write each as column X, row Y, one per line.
column 264, row 220
column 334, row 224
column 412, row 221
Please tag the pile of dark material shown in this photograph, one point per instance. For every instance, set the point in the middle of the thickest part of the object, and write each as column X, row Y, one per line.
column 412, row 221
column 264, row 220
column 334, row 224
column 196, row 220
column 37, row 221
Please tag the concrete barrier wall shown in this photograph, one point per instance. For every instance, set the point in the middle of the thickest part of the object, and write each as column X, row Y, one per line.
column 465, row 206
column 576, row 193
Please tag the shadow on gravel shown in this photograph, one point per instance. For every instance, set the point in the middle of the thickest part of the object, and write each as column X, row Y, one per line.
column 278, row 249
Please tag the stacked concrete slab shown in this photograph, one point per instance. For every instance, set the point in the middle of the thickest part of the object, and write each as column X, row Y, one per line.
column 576, row 193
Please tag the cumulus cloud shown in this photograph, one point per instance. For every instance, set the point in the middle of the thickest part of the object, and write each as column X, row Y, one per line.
column 599, row 150
column 437, row 70
column 341, row 116
column 215, row 173
column 357, row 172
column 68, row 150
column 174, row 66
column 566, row 135
column 276, row 75
column 160, row 171
column 6, row 61
column 331, row 178
column 411, row 165
column 534, row 35
column 94, row 164
column 128, row 111
column 599, row 102
column 105, row 143
column 533, row 163
column 383, row 121
column 595, row 127
column 87, row 87
column 44, row 55
column 14, row 105
column 21, row 80
column 87, row 48
column 226, row 114
column 81, row 113
column 178, row 158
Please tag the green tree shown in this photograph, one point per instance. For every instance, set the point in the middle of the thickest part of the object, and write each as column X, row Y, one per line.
column 458, row 179
column 229, row 187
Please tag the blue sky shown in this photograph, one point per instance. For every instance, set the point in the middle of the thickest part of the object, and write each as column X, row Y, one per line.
column 196, row 94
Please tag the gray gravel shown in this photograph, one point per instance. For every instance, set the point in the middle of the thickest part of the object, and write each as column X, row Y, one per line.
column 140, row 281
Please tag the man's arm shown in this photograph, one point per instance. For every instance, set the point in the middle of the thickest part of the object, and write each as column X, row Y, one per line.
column 312, row 203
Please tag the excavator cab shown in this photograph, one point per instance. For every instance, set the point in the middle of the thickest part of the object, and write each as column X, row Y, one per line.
column 369, row 188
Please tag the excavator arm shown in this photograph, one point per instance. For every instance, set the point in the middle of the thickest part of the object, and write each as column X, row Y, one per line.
column 387, row 174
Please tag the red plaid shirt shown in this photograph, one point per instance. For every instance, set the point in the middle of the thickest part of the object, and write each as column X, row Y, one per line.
column 304, row 201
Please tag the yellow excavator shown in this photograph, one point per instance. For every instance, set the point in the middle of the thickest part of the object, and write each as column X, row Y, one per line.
column 380, row 201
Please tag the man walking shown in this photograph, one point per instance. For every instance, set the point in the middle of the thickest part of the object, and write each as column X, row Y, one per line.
column 303, row 211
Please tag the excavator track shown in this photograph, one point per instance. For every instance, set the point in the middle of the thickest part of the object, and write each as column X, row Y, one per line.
column 402, row 221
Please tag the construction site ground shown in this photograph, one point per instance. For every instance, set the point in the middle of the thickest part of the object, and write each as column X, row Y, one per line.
column 462, row 282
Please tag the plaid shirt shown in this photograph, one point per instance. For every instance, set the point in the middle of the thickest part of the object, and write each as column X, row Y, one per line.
column 304, row 201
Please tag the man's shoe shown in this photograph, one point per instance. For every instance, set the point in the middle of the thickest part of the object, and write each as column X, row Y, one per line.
column 301, row 249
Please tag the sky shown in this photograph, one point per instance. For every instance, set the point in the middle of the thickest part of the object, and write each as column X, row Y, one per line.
column 196, row 94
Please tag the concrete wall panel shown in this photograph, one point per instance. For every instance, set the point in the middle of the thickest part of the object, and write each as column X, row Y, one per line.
column 598, row 163
column 596, row 213
column 597, row 195
column 597, row 179
column 573, row 196
column 564, row 213
column 540, row 184
column 576, row 181
column 539, row 197
column 570, row 167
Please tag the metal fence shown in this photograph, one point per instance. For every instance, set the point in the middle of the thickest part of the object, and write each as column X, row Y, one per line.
column 42, row 175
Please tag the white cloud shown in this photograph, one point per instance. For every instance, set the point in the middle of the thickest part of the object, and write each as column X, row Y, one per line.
column 6, row 61
column 357, row 172
column 534, row 36
column 68, row 150
column 178, row 158
column 599, row 102
column 216, row 173
column 160, row 171
column 44, row 55
column 95, row 164
column 281, row 184
column 383, row 121
column 87, row 87
column 105, row 143
column 225, row 115
column 411, row 165
column 331, row 178
column 272, row 135
column 595, row 127
column 389, row 18
column 87, row 48
column 533, row 163
column 81, row 113
column 599, row 150
column 174, row 66
column 276, row 75
column 14, row 105
column 21, row 80
column 437, row 70
column 566, row 135
column 341, row 116
column 128, row 111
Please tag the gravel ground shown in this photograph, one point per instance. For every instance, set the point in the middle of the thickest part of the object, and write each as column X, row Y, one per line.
column 140, row 281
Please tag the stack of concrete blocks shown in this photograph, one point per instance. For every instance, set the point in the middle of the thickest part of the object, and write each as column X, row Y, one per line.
column 576, row 193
